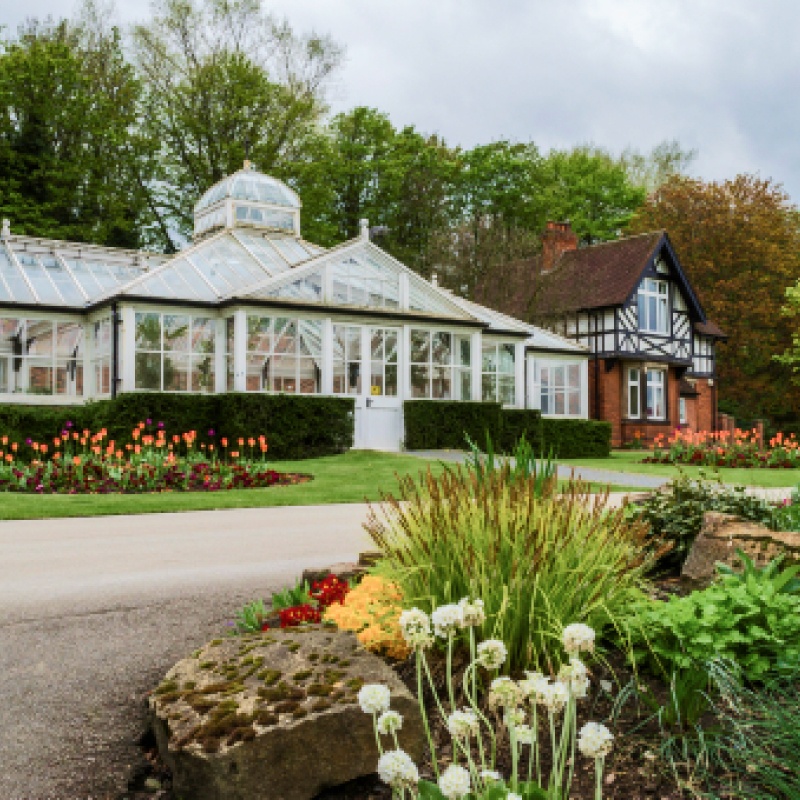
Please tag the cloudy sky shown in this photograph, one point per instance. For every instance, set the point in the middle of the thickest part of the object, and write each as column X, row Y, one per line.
column 721, row 76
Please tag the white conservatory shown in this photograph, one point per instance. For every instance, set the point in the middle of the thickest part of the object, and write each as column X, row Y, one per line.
column 250, row 306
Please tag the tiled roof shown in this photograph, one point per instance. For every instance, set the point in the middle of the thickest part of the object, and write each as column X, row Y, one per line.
column 710, row 328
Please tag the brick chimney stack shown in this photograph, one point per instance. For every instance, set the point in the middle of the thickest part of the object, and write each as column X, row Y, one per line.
column 557, row 238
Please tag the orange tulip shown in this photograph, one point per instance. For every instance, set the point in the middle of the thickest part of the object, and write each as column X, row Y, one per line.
column 236, row 454
column 137, row 449
column 9, row 459
column 224, row 442
column 119, row 453
column 56, row 442
column 43, row 448
column 5, row 440
column 76, row 460
column 14, row 447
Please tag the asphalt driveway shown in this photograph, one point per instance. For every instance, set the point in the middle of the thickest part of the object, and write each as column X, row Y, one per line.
column 93, row 611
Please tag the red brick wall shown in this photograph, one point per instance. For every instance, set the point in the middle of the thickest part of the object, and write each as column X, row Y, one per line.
column 606, row 402
column 706, row 411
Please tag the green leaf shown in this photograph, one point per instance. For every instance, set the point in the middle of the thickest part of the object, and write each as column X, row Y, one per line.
column 429, row 791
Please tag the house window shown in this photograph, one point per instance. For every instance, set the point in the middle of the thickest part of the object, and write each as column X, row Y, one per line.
column 653, row 306
column 174, row 352
column 682, row 405
column 101, row 358
column 440, row 365
column 560, row 389
column 230, row 327
column 498, row 378
column 283, row 355
column 347, row 359
column 655, row 394
column 634, row 392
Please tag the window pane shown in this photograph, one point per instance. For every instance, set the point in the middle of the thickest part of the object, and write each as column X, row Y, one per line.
column 376, row 378
column 651, row 314
column 203, row 374
column 38, row 337
column 285, row 340
column 641, row 304
column 69, row 339
column 9, row 339
column 257, row 377
column 148, row 369
column 176, row 372
column 574, row 403
column 545, row 401
column 507, row 358
column 390, row 347
column 69, row 377
column 229, row 383
column 489, row 388
column 462, row 385
column 5, row 375
column 309, row 376
column 507, row 394
column 633, row 401
column 442, row 348
column 574, row 376
column 339, row 377
column 489, row 358
column 420, row 383
column 558, row 377
column 558, row 402
column 102, row 376
column 390, row 388
column 376, row 346
column 463, row 351
column 284, row 374
column 258, row 334
column 148, row 333
column 176, row 333
column 353, row 377
column 230, row 324
column 420, row 347
column 310, row 338
column 203, row 335
column 442, row 383
column 39, row 374
column 353, row 344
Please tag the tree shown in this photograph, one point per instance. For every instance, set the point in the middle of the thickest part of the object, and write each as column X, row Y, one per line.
column 592, row 190
column 69, row 104
column 739, row 242
column 651, row 170
column 219, row 75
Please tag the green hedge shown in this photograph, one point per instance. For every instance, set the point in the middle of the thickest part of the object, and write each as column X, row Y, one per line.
column 437, row 424
column 295, row 426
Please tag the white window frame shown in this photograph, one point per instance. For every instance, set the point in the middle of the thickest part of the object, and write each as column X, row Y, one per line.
column 634, row 382
column 455, row 367
column 497, row 373
column 651, row 289
column 682, row 411
column 658, row 386
column 550, row 389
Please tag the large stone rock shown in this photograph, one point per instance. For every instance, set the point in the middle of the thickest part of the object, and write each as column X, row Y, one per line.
column 722, row 535
column 274, row 716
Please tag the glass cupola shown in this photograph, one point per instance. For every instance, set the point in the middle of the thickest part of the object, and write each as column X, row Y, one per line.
column 248, row 199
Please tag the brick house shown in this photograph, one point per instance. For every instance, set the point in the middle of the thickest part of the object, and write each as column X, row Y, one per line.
column 652, row 367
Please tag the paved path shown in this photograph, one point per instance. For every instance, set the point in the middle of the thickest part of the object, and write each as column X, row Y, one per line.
column 93, row 611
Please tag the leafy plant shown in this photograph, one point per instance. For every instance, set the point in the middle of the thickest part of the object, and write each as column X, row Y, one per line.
column 688, row 699
column 749, row 622
column 780, row 581
column 676, row 516
column 538, row 562
column 251, row 618
column 291, row 596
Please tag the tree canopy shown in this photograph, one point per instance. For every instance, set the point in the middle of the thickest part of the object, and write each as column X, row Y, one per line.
column 739, row 242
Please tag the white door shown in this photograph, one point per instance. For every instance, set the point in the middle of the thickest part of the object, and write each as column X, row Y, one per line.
column 366, row 364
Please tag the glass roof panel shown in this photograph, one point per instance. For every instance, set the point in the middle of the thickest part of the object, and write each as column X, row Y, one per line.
column 263, row 251
column 154, row 286
column 207, row 270
column 238, row 259
column 249, row 185
column 176, row 283
column 102, row 274
column 15, row 282
column 191, row 277
column 38, row 277
column 420, row 300
column 63, row 281
column 307, row 288
column 84, row 277
column 290, row 249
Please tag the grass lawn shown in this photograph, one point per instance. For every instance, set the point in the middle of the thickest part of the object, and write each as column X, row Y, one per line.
column 628, row 461
column 348, row 478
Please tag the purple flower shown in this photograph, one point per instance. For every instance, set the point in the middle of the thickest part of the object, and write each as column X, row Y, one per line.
column 69, row 424
column 211, row 432
column 29, row 441
column 149, row 421
column 160, row 424
column 64, row 433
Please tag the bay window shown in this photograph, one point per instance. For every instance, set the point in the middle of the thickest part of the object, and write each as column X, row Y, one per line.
column 440, row 365
column 653, row 306
column 559, row 388
column 498, row 379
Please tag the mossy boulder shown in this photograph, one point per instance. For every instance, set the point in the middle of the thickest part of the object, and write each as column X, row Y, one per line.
column 287, row 729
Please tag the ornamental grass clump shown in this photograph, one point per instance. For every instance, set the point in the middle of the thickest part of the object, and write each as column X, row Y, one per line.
column 530, row 709
column 536, row 562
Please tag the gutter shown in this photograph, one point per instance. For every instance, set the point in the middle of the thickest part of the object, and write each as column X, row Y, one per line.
column 115, row 322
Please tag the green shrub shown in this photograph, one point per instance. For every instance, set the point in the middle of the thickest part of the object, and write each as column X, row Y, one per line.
column 296, row 426
column 537, row 563
column 749, row 622
column 676, row 516
column 438, row 424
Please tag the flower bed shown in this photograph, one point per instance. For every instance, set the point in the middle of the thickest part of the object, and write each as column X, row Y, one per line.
column 742, row 449
column 81, row 462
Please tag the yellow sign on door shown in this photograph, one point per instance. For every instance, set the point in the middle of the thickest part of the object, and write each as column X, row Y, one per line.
column 376, row 390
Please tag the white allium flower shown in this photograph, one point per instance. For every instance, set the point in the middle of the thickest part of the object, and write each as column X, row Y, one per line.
column 531, row 687
column 396, row 768
column 523, row 734
column 512, row 796
column 491, row 654
column 374, row 698
column 415, row 626
column 554, row 696
column 447, row 620
column 595, row 740
column 454, row 782
column 515, row 717
column 504, row 692
column 462, row 724
column 578, row 638
column 491, row 775
column 472, row 613
column 389, row 722
column 576, row 677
